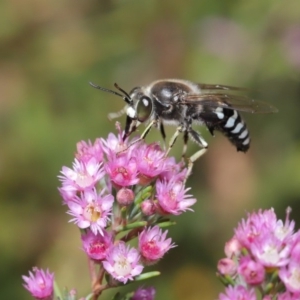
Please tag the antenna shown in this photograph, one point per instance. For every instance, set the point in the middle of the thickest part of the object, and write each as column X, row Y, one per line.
column 126, row 98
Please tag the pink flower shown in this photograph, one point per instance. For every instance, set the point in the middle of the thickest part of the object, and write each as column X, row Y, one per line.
column 122, row 263
column 253, row 272
column 122, row 170
column 153, row 244
column 40, row 284
column 238, row 292
column 288, row 296
column 295, row 251
column 172, row 168
column 150, row 162
column 144, row 294
column 96, row 246
column 256, row 223
column 269, row 251
column 171, row 197
column 227, row 266
column 115, row 144
column 91, row 210
column 284, row 231
column 264, row 223
column 83, row 176
column 86, row 150
column 290, row 276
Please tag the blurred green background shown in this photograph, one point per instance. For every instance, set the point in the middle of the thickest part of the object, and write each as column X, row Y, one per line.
column 50, row 50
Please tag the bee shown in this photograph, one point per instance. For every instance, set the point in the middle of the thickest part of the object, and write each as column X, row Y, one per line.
column 183, row 103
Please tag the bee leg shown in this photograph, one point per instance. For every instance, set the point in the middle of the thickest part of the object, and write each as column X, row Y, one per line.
column 210, row 129
column 202, row 143
column 163, row 134
column 191, row 161
column 197, row 138
column 173, row 139
column 185, row 141
column 130, row 127
column 143, row 135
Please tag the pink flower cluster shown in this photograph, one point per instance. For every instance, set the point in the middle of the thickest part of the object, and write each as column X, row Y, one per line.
column 263, row 256
column 114, row 185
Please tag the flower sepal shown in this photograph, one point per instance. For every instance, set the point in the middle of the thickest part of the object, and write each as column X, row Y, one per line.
column 225, row 279
column 165, row 224
column 140, row 197
column 143, row 194
column 147, row 275
column 131, row 226
column 68, row 294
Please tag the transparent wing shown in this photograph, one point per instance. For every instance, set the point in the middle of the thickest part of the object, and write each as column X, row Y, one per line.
column 208, row 88
column 212, row 98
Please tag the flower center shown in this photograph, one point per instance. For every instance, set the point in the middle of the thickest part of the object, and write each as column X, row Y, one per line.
column 150, row 250
column 294, row 280
column 97, row 247
column 83, row 180
column 122, row 267
column 92, row 212
column 122, row 171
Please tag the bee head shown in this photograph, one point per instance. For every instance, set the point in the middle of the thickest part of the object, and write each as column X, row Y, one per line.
column 142, row 107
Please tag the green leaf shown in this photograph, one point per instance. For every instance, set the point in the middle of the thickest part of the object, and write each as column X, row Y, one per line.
column 147, row 275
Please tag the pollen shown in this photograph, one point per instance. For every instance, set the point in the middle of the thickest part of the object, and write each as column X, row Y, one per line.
column 122, row 267
column 122, row 170
column 83, row 180
column 92, row 213
column 97, row 247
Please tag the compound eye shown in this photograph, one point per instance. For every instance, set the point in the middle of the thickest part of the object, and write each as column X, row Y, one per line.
column 144, row 109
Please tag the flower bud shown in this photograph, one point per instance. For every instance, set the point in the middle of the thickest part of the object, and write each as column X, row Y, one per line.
column 233, row 248
column 252, row 271
column 148, row 208
column 227, row 266
column 125, row 196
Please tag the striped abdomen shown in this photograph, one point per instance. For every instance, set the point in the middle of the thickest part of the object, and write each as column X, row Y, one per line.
column 231, row 125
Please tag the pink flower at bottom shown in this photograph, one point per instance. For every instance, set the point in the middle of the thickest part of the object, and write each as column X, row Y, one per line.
column 153, row 244
column 290, row 276
column 40, row 284
column 288, row 296
column 144, row 294
column 238, row 292
column 122, row 263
